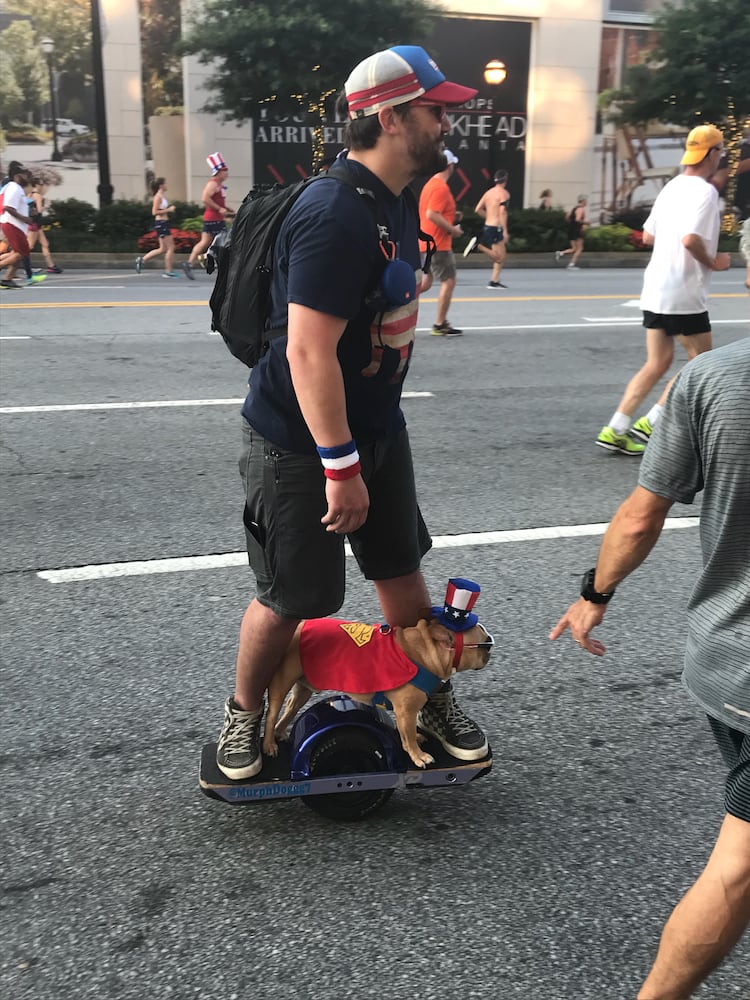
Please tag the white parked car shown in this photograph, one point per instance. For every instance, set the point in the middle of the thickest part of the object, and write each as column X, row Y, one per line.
column 66, row 127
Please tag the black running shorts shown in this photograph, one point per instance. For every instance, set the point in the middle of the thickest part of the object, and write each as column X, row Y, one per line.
column 735, row 749
column 687, row 325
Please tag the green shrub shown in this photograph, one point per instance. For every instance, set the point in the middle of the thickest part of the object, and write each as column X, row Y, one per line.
column 75, row 225
column 608, row 239
column 69, row 241
column 73, row 215
column 81, row 148
column 187, row 215
column 123, row 221
column 633, row 217
column 531, row 230
column 25, row 134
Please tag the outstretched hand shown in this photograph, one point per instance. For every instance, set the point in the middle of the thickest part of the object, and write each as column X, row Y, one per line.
column 581, row 617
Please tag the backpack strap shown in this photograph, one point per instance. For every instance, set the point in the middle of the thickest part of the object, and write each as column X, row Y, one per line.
column 383, row 231
column 428, row 240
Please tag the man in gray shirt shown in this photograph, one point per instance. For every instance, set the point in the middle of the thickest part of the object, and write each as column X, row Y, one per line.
column 702, row 443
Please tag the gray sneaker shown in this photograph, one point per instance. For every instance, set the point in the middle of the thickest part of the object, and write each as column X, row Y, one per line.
column 443, row 718
column 238, row 753
column 186, row 267
column 138, row 265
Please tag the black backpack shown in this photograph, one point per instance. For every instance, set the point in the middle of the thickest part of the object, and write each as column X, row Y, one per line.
column 243, row 257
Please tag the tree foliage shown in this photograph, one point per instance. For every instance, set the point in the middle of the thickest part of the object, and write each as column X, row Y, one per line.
column 699, row 70
column 25, row 66
column 162, row 66
column 292, row 52
column 67, row 23
column 11, row 97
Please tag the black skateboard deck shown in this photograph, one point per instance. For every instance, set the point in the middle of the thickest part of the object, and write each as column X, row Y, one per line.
column 274, row 779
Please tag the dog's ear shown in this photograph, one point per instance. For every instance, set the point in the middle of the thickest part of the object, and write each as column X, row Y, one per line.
column 440, row 633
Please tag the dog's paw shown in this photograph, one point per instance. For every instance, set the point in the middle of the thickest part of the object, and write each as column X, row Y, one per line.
column 270, row 748
column 422, row 759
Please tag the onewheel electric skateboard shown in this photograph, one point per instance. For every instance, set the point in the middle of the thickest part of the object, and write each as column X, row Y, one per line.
column 344, row 760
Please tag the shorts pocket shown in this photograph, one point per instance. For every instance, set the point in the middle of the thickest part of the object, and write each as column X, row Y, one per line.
column 255, row 539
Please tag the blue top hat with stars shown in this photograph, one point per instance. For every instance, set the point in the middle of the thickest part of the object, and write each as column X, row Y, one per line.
column 460, row 597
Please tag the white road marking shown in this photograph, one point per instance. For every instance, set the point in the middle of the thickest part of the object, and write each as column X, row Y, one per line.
column 611, row 320
column 102, row 571
column 148, row 404
column 54, row 287
column 623, row 321
column 15, row 338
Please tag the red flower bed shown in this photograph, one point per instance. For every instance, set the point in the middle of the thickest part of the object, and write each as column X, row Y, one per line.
column 184, row 241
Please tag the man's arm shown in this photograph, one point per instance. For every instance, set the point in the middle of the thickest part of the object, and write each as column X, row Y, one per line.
column 631, row 535
column 16, row 215
column 318, row 382
column 481, row 208
column 208, row 199
column 694, row 245
column 440, row 220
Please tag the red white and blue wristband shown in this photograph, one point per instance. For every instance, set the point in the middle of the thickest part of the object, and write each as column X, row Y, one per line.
column 341, row 461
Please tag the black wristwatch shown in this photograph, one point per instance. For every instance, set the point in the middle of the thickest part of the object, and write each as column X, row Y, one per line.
column 588, row 593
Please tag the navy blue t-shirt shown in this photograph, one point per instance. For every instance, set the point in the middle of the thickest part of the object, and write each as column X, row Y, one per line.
column 328, row 258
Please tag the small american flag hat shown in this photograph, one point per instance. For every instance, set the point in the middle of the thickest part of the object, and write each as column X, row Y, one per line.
column 216, row 163
column 460, row 597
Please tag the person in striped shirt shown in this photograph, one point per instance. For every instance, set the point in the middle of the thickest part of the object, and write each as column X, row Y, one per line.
column 701, row 444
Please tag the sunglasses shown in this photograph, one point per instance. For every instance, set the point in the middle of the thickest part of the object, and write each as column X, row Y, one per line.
column 437, row 110
column 487, row 643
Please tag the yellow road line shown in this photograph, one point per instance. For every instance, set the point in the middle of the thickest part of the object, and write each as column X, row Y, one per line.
column 97, row 305
column 456, row 298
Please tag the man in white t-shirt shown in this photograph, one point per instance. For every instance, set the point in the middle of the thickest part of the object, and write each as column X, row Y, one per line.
column 14, row 223
column 683, row 229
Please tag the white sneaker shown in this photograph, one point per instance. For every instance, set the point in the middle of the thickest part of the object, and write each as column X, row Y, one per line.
column 470, row 246
column 558, row 255
column 573, row 267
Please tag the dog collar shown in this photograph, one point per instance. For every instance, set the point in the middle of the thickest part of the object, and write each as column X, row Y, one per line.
column 458, row 648
column 423, row 679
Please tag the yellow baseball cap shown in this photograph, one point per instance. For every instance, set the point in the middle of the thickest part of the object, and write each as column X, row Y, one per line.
column 701, row 139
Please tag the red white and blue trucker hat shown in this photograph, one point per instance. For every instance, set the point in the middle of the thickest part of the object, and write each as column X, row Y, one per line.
column 395, row 76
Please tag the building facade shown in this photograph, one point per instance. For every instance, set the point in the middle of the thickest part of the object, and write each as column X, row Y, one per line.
column 538, row 118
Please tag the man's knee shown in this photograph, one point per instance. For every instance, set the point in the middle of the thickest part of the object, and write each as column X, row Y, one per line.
column 730, row 864
column 656, row 368
column 697, row 345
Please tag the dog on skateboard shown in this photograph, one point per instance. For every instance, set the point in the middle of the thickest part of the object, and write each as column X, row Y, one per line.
column 397, row 667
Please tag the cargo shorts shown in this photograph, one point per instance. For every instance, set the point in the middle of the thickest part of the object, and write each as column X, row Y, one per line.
column 299, row 566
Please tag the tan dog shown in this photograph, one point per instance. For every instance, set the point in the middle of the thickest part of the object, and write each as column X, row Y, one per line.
column 342, row 649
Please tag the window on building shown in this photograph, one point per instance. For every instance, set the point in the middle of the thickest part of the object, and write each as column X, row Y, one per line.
column 621, row 48
column 634, row 6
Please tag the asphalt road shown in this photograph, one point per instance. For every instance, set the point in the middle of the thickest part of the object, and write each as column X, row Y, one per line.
column 549, row 879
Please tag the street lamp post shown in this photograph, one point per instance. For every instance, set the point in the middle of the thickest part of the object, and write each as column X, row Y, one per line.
column 104, row 188
column 48, row 48
column 495, row 73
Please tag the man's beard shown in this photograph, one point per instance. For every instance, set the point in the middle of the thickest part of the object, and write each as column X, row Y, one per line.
column 426, row 155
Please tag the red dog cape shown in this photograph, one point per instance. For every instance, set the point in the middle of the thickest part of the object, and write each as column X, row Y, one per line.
column 338, row 655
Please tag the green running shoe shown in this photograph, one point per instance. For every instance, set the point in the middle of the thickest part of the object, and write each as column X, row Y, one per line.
column 619, row 442
column 642, row 429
